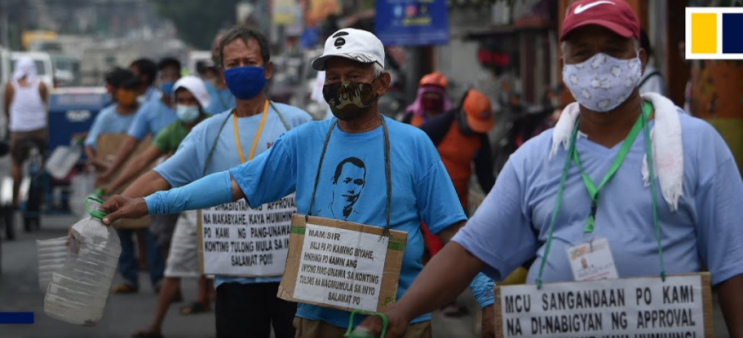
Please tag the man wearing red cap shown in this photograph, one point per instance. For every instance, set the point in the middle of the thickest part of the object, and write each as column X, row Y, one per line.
column 635, row 176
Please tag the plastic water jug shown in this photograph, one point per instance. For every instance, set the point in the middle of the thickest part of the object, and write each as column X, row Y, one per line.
column 77, row 293
column 62, row 160
column 82, row 187
column 52, row 254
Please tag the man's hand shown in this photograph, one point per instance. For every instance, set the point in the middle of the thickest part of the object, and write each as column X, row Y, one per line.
column 397, row 324
column 103, row 179
column 119, row 207
column 488, row 322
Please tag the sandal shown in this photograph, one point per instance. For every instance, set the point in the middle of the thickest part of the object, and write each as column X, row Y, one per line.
column 147, row 334
column 195, row 308
column 124, row 289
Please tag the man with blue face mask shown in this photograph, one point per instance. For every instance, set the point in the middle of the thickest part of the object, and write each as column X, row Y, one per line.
column 245, row 307
column 596, row 160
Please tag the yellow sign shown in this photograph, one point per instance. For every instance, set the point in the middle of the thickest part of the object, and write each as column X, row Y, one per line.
column 285, row 12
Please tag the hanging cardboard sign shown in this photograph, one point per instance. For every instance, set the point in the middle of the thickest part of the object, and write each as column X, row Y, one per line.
column 626, row 307
column 235, row 240
column 342, row 265
column 107, row 146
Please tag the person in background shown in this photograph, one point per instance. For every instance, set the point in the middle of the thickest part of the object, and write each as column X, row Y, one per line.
column 355, row 80
column 681, row 46
column 652, row 80
column 26, row 100
column 146, row 71
column 222, row 98
column 432, row 100
column 693, row 225
column 460, row 136
column 210, row 75
column 190, row 98
column 116, row 118
column 152, row 117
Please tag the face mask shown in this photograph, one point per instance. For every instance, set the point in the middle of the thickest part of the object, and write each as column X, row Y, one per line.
column 349, row 100
column 602, row 82
column 245, row 82
column 187, row 114
column 126, row 97
column 167, row 88
column 432, row 104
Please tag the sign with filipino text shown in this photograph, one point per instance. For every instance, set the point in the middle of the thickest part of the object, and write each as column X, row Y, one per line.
column 342, row 265
column 412, row 22
column 632, row 307
column 235, row 240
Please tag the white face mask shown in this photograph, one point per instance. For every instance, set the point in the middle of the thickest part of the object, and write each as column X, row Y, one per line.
column 187, row 114
column 602, row 82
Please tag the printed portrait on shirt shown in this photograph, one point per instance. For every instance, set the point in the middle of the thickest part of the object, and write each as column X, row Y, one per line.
column 347, row 182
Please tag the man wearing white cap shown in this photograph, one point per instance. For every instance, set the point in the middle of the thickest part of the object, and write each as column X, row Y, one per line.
column 362, row 167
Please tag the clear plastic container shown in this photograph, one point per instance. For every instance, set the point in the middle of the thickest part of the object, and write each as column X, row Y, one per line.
column 62, row 160
column 51, row 254
column 82, row 187
column 78, row 292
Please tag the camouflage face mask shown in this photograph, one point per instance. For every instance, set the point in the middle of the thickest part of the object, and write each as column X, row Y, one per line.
column 349, row 100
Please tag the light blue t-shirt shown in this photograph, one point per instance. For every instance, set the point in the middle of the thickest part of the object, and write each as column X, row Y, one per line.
column 152, row 117
column 187, row 164
column 511, row 226
column 352, row 187
column 221, row 100
column 108, row 121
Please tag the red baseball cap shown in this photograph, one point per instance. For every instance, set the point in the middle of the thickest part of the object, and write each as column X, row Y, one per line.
column 479, row 112
column 615, row 15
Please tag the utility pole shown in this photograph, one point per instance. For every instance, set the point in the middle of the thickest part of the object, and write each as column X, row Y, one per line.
column 4, row 26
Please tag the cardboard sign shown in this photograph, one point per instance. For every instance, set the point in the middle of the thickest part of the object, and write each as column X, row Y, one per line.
column 629, row 307
column 107, row 146
column 342, row 265
column 235, row 240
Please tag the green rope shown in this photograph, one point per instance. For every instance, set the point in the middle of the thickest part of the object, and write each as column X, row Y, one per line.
column 97, row 214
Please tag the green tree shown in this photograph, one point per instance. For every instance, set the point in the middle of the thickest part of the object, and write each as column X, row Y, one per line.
column 198, row 21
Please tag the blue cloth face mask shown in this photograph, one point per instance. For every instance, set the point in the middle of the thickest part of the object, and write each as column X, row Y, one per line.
column 187, row 114
column 167, row 88
column 245, row 82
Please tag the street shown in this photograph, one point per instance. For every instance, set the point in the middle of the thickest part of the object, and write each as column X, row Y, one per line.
column 19, row 292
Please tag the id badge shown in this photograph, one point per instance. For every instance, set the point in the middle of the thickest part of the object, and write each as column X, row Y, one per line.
column 592, row 260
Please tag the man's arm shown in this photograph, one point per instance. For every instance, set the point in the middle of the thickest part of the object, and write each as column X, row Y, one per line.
column 44, row 92
column 211, row 190
column 135, row 166
column 90, row 154
column 731, row 303
column 127, row 147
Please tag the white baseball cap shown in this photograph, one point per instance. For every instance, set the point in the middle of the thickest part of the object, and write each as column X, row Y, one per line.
column 197, row 88
column 353, row 44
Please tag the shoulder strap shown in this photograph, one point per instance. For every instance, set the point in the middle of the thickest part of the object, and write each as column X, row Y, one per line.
column 647, row 77
column 281, row 116
column 214, row 144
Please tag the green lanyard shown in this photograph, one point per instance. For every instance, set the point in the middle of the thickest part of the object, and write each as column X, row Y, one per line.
column 593, row 190
column 642, row 124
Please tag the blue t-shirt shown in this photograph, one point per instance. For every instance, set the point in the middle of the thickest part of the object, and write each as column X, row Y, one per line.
column 187, row 164
column 352, row 187
column 152, row 117
column 512, row 224
column 108, row 121
column 221, row 100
